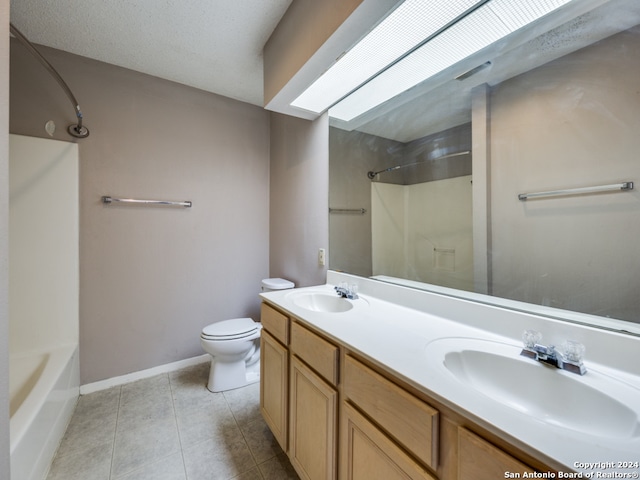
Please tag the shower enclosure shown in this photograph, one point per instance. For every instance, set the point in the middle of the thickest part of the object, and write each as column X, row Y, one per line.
column 44, row 373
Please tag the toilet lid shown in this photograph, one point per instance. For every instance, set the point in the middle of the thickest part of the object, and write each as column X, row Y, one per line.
column 228, row 329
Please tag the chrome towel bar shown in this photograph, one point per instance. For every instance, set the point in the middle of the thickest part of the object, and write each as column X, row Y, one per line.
column 578, row 191
column 360, row 211
column 107, row 200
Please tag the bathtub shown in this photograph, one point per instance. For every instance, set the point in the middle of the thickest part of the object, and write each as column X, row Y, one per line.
column 43, row 391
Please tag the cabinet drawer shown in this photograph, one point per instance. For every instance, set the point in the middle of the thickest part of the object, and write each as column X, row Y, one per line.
column 413, row 423
column 276, row 323
column 368, row 453
column 480, row 460
column 319, row 354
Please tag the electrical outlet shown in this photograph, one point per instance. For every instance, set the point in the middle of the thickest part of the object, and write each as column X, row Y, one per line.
column 321, row 257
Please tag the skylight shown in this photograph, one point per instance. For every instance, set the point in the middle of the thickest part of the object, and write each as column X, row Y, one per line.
column 394, row 56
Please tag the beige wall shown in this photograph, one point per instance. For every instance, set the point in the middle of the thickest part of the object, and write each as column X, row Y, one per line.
column 571, row 123
column 152, row 277
column 4, row 238
column 299, row 198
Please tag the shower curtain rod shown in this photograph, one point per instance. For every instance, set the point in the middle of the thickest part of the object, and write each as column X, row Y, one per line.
column 77, row 130
column 372, row 175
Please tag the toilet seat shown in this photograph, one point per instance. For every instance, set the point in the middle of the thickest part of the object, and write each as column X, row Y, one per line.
column 230, row 329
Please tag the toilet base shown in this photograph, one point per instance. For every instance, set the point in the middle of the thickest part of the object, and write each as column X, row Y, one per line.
column 229, row 376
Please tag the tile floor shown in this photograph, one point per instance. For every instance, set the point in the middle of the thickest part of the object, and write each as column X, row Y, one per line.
column 170, row 427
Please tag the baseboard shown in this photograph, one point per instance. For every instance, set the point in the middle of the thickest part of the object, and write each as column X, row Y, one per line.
column 150, row 372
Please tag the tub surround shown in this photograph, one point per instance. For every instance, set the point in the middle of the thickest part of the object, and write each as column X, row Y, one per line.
column 41, row 417
column 43, row 334
column 391, row 326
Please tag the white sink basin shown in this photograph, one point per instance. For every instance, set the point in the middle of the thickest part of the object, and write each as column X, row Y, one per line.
column 594, row 404
column 322, row 302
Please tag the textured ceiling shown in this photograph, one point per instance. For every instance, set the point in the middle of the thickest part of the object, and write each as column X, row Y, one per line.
column 213, row 45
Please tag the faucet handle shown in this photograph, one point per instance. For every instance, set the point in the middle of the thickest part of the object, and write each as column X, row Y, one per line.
column 530, row 338
column 573, row 351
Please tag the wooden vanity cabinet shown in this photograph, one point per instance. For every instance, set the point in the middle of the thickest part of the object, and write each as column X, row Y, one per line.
column 480, row 460
column 410, row 421
column 313, row 405
column 299, row 395
column 390, row 428
column 312, row 424
column 380, row 416
column 367, row 453
column 274, row 373
column 276, row 323
column 338, row 416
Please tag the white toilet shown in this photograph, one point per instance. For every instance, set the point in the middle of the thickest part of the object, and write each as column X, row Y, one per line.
column 234, row 346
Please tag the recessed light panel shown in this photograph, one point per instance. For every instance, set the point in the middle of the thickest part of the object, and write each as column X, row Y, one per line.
column 466, row 37
column 405, row 28
column 517, row 13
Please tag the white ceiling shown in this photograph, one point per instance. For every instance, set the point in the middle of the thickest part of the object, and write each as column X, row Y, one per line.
column 213, row 45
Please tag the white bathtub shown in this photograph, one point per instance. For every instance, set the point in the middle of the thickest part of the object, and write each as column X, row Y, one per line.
column 43, row 391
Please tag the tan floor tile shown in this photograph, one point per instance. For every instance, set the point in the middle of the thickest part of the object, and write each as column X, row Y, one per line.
column 278, row 468
column 215, row 460
column 137, row 447
column 169, row 468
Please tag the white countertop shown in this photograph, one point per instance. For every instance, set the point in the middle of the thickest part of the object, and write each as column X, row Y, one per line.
column 395, row 337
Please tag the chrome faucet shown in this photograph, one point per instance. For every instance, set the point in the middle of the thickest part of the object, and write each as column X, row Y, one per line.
column 347, row 291
column 570, row 360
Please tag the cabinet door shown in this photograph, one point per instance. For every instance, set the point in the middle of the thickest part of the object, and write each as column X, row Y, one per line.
column 312, row 434
column 480, row 460
column 369, row 454
column 274, row 384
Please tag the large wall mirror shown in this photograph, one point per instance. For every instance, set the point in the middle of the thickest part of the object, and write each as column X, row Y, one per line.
column 428, row 188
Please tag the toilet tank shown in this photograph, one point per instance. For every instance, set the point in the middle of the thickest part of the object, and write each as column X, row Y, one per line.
column 272, row 284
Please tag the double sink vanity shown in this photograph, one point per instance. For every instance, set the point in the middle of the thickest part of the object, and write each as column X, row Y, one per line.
column 407, row 384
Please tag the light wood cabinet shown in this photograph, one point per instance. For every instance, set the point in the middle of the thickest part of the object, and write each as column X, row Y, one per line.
column 369, row 454
column 274, row 387
column 480, row 460
column 318, row 353
column 275, row 322
column 313, row 424
column 338, row 415
column 298, row 394
column 409, row 420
